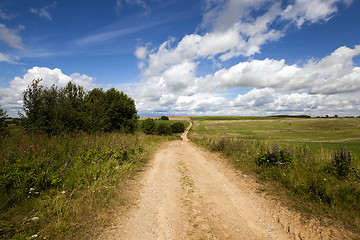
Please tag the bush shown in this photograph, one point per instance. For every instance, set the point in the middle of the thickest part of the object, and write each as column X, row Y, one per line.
column 276, row 157
column 163, row 129
column 3, row 115
column 178, row 127
column 164, row 118
column 148, row 126
column 340, row 162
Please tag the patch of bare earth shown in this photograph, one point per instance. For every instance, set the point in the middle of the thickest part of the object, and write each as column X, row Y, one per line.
column 189, row 193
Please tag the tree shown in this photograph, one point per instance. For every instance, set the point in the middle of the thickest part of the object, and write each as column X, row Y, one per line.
column 3, row 115
column 54, row 110
column 120, row 111
column 164, row 118
column 148, row 126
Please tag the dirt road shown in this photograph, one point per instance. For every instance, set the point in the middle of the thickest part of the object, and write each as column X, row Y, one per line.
column 189, row 193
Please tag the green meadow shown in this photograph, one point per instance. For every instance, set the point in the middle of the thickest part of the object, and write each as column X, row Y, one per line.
column 317, row 133
column 311, row 164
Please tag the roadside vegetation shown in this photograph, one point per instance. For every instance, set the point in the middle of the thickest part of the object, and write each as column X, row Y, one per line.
column 321, row 179
column 162, row 127
column 64, row 164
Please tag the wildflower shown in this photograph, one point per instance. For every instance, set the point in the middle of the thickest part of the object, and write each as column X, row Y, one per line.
column 32, row 237
column 63, row 192
column 35, row 219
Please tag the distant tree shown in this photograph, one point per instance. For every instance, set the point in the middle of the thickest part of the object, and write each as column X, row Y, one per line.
column 178, row 127
column 163, row 129
column 336, row 116
column 164, row 118
column 148, row 126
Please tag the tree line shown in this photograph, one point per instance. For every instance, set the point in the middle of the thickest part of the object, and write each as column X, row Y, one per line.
column 55, row 110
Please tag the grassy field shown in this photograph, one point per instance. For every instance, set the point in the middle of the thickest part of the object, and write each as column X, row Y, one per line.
column 329, row 133
column 66, row 186
column 302, row 160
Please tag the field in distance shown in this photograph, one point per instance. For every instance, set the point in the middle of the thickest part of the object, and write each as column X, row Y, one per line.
column 330, row 133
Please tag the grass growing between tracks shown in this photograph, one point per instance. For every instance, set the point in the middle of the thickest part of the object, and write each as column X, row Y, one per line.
column 65, row 186
column 294, row 155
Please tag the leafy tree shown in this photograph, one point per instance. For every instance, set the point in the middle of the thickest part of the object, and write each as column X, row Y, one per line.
column 164, row 118
column 120, row 111
column 178, row 127
column 71, row 106
column 148, row 126
column 95, row 105
column 55, row 110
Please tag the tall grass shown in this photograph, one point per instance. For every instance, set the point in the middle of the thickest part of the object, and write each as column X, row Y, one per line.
column 322, row 182
column 60, row 187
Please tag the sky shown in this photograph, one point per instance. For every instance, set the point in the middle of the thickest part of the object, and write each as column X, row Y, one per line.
column 189, row 57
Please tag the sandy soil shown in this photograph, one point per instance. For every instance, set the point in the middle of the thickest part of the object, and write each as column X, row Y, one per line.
column 189, row 193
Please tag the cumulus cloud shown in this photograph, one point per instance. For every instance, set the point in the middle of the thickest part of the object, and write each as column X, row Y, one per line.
column 45, row 11
column 11, row 97
column 10, row 37
column 234, row 28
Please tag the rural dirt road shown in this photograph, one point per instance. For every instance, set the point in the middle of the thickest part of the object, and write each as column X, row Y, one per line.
column 189, row 193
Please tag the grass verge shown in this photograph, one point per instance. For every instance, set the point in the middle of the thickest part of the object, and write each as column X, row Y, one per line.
column 65, row 186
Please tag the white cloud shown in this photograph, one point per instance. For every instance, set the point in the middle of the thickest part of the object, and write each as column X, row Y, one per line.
column 121, row 4
column 329, row 83
column 311, row 11
column 241, row 28
column 45, row 11
column 7, row 58
column 10, row 37
column 11, row 97
column 5, row 15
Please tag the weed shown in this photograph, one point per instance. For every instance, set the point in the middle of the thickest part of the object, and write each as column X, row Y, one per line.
column 341, row 162
column 276, row 157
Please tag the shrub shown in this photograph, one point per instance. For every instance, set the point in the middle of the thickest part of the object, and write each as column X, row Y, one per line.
column 163, row 129
column 164, row 118
column 276, row 157
column 148, row 126
column 178, row 127
column 3, row 115
column 340, row 162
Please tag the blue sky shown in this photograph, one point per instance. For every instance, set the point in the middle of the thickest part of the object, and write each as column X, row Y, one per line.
column 186, row 57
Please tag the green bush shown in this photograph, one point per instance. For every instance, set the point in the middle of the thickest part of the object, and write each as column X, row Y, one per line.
column 148, row 126
column 164, row 118
column 163, row 129
column 3, row 115
column 341, row 162
column 276, row 157
column 178, row 127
